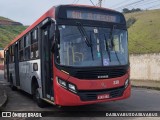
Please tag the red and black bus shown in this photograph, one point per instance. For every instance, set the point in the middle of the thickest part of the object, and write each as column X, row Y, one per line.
column 72, row 55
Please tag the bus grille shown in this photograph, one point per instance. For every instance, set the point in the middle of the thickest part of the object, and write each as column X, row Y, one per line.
column 92, row 95
column 94, row 74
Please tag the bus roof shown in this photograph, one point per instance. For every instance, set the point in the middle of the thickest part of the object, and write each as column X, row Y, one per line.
column 50, row 13
column 89, row 6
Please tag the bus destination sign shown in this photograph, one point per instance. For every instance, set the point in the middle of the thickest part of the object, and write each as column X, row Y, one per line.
column 91, row 15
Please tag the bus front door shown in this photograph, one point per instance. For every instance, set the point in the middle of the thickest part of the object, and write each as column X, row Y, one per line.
column 47, row 67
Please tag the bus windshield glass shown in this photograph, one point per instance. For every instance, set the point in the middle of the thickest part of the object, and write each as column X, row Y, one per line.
column 92, row 46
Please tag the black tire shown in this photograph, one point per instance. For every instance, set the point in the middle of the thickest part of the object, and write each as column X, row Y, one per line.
column 39, row 101
column 13, row 88
column 36, row 96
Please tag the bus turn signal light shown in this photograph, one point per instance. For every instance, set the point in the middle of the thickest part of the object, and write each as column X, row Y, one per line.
column 126, row 83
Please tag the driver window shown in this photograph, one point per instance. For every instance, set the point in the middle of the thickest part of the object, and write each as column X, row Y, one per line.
column 116, row 42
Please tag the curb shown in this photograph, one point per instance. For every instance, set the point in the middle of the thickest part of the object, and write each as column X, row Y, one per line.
column 5, row 98
column 147, row 87
column 148, row 84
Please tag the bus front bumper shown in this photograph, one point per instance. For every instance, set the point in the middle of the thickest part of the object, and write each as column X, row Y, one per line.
column 66, row 98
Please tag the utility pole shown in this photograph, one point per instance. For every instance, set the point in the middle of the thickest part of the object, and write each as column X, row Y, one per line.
column 100, row 3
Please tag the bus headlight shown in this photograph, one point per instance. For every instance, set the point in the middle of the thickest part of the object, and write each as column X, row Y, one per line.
column 67, row 85
column 72, row 87
column 126, row 83
column 62, row 83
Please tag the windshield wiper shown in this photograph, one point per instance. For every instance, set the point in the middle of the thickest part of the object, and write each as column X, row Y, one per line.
column 84, row 34
column 113, row 45
column 86, row 38
column 107, row 48
column 91, row 46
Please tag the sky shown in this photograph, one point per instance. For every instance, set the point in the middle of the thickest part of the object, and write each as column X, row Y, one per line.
column 28, row 11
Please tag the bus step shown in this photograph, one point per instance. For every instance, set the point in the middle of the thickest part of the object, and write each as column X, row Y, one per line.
column 49, row 101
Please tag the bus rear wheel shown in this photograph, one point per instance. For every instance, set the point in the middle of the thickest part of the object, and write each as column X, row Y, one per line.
column 14, row 88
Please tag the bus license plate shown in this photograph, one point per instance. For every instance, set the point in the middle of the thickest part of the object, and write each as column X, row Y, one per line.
column 104, row 96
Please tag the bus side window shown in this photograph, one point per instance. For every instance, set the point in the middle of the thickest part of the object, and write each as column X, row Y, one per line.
column 34, row 44
column 11, row 54
column 21, row 46
column 27, row 47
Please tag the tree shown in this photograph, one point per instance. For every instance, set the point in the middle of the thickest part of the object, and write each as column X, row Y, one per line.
column 126, row 10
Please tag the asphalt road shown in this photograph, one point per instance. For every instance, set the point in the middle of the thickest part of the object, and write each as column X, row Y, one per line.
column 1, row 75
column 141, row 100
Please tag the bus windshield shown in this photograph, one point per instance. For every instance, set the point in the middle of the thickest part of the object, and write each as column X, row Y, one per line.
column 92, row 46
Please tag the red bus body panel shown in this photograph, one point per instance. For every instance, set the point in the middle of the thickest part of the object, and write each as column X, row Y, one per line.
column 66, row 98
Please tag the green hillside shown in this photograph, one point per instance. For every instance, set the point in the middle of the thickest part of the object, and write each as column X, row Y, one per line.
column 144, row 34
column 3, row 18
column 9, row 32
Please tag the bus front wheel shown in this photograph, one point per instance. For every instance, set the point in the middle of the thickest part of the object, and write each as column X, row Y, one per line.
column 39, row 101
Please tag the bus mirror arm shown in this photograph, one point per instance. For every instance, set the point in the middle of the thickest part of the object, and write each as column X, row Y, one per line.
column 53, row 46
column 57, row 36
column 56, row 40
column 51, row 31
